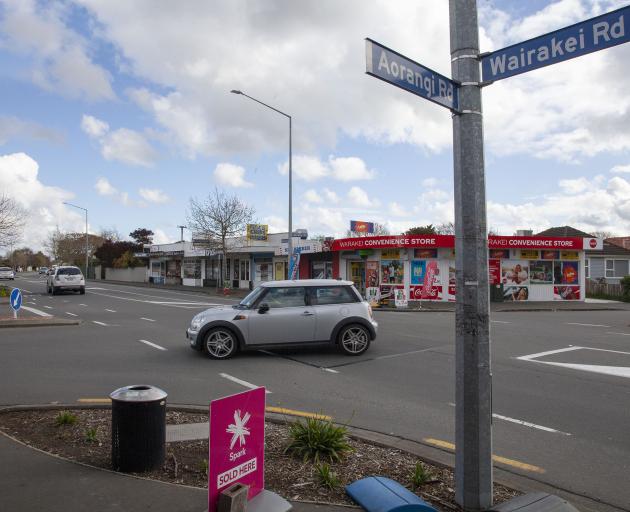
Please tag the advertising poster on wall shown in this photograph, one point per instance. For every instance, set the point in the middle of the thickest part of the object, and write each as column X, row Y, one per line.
column 494, row 272
column 423, row 254
column 541, row 272
column 392, row 272
column 569, row 255
column 429, row 288
column 373, row 296
column 387, row 293
column 570, row 272
column 515, row 272
column 418, row 269
column 549, row 255
column 566, row 293
column 390, row 254
column 499, row 253
column 452, row 282
column 400, row 298
column 371, row 274
column 513, row 293
column 529, row 254
column 435, row 293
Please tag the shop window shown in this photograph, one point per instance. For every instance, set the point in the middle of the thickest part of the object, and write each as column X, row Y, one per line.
column 263, row 269
column 192, row 269
column 173, row 268
column 617, row 268
column 321, row 270
column 587, row 268
column 227, row 269
column 244, row 270
column 392, row 272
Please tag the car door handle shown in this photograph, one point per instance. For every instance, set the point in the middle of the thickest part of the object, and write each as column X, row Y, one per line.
column 307, row 313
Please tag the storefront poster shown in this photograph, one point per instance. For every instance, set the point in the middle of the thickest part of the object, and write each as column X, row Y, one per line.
column 541, row 272
column 569, row 255
column 570, row 272
column 387, row 293
column 500, row 253
column 400, row 298
column 431, row 277
column 418, row 269
column 390, row 254
column 549, row 255
column 372, row 295
column 494, row 272
column 529, row 254
column 566, row 293
column 418, row 293
column 452, row 282
column 371, row 271
column 392, row 272
column 514, row 293
column 424, row 253
column 515, row 272
column 257, row 231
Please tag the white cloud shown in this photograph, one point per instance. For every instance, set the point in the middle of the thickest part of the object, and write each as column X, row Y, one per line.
column 621, row 169
column 359, row 197
column 397, row 210
column 231, row 175
column 312, row 196
column 574, row 186
column 13, row 127
column 105, row 188
column 154, row 195
column 349, row 169
column 94, row 127
column 310, row 168
column 160, row 237
column 429, row 182
column 307, row 168
column 61, row 56
column 331, row 196
column 43, row 203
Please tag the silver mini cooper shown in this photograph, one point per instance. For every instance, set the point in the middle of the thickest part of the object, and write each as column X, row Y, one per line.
column 287, row 313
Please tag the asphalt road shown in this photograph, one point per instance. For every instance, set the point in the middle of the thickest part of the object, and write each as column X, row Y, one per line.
column 561, row 387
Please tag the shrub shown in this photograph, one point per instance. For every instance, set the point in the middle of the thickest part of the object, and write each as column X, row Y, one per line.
column 317, row 439
column 326, row 477
column 65, row 418
column 420, row 475
column 625, row 288
column 203, row 465
column 90, row 435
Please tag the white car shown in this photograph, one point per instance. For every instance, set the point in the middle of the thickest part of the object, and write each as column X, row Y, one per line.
column 289, row 314
column 7, row 273
column 66, row 278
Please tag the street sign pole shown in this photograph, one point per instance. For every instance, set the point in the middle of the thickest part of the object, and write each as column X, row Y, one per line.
column 473, row 412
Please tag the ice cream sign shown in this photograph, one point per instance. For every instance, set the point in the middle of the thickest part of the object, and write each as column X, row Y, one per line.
column 237, row 444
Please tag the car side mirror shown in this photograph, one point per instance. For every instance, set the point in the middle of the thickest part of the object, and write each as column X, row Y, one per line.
column 263, row 308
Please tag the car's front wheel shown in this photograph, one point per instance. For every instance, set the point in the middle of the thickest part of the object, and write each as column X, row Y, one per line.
column 220, row 343
column 353, row 340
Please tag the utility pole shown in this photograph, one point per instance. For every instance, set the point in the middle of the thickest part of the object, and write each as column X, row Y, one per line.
column 181, row 233
column 473, row 412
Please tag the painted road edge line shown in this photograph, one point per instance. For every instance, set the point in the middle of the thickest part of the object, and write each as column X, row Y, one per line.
column 36, row 311
column 147, row 319
column 496, row 458
column 587, row 325
column 242, row 382
column 154, row 345
column 548, row 353
column 622, row 333
column 301, row 414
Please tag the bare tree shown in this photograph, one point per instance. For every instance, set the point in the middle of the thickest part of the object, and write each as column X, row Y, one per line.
column 11, row 221
column 603, row 234
column 217, row 218
column 446, row 228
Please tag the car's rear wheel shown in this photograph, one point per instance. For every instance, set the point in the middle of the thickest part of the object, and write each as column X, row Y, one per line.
column 82, row 290
column 220, row 343
column 353, row 340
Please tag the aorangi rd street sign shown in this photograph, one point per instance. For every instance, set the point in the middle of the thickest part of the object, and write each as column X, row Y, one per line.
column 588, row 36
column 398, row 70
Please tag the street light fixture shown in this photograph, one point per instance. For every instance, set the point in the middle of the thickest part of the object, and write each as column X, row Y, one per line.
column 86, row 234
column 290, row 241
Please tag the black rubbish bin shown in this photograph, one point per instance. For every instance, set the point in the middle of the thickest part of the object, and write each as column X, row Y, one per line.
column 138, row 428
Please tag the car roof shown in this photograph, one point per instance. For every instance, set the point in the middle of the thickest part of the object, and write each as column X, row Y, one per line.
column 307, row 282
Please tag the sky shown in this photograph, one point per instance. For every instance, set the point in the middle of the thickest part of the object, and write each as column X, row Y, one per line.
column 124, row 108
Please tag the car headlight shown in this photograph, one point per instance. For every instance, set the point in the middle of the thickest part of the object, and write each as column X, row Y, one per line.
column 196, row 323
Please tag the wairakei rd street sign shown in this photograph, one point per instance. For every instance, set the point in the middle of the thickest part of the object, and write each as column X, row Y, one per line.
column 588, row 36
column 396, row 69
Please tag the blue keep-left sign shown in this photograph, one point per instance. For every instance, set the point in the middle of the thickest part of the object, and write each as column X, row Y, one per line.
column 16, row 299
column 398, row 70
column 588, row 36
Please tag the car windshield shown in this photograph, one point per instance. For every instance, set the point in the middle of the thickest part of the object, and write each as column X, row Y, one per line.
column 249, row 301
column 5, row 269
column 70, row 271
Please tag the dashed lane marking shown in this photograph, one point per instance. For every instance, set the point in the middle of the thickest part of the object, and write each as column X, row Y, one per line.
column 48, row 307
column 499, row 322
column 71, row 314
column 154, row 345
column 111, row 310
column 99, row 323
column 496, row 458
column 587, row 325
column 147, row 319
column 621, row 333
column 83, row 305
column 330, row 370
column 241, row 382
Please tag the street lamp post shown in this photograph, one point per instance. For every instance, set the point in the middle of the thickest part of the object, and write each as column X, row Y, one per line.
column 86, row 235
column 290, row 241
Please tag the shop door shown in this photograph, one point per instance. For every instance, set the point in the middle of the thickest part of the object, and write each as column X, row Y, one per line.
column 235, row 275
column 244, row 274
column 356, row 271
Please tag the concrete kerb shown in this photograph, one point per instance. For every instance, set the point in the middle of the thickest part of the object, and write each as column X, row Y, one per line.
column 37, row 322
column 431, row 454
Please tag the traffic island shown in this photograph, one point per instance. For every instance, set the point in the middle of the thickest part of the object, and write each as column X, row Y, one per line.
column 84, row 435
column 36, row 321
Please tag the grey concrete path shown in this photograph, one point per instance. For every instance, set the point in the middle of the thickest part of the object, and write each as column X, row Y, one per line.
column 34, row 481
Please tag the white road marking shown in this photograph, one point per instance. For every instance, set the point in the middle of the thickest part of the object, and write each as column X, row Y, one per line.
column 587, row 325
column 82, row 304
column 29, row 291
column 36, row 311
column 111, row 310
column 330, row 370
column 147, row 319
column 99, row 323
column 390, row 356
column 241, row 382
column 622, row 333
column 71, row 314
column 525, row 423
column 154, row 345
column 174, row 303
column 615, row 371
column 48, row 307
column 499, row 322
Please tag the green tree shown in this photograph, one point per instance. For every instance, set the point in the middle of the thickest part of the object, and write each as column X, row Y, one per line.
column 142, row 236
column 429, row 229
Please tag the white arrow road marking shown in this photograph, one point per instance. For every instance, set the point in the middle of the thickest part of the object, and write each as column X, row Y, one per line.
column 241, row 382
column 36, row 311
column 154, row 345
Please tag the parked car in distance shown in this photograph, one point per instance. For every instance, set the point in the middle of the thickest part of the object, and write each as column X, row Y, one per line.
column 43, row 270
column 288, row 314
column 7, row 273
column 65, row 278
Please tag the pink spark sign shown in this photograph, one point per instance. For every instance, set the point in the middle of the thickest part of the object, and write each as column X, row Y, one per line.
column 237, row 444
